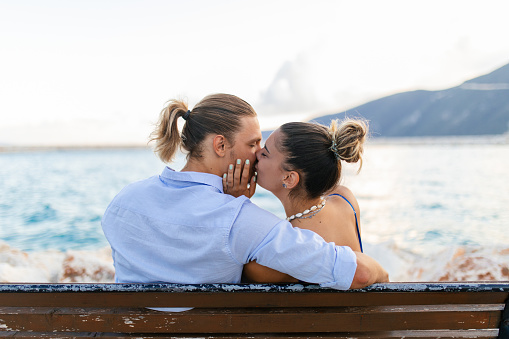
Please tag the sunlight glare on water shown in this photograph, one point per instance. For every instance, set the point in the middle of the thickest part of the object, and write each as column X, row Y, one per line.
column 433, row 195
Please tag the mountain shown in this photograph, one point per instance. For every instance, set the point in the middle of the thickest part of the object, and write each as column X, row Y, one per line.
column 477, row 107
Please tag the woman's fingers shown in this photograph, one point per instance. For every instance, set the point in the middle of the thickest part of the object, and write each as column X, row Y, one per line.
column 244, row 180
column 230, row 177
column 252, row 186
column 238, row 174
column 237, row 180
column 247, row 182
column 225, row 183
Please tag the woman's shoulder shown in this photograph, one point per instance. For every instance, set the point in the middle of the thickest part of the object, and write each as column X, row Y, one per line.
column 339, row 219
column 347, row 194
column 351, row 226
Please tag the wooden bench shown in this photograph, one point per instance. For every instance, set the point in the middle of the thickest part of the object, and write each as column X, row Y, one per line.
column 393, row 310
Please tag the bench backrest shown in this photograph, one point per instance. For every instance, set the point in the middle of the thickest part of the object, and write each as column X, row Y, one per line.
column 379, row 311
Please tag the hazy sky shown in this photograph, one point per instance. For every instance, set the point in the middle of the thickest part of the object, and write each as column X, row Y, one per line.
column 92, row 72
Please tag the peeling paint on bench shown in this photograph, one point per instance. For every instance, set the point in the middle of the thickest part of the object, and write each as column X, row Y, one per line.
column 232, row 288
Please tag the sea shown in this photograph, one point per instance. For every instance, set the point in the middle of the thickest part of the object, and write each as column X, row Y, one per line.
column 432, row 209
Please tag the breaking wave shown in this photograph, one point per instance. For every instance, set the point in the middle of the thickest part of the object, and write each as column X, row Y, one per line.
column 456, row 264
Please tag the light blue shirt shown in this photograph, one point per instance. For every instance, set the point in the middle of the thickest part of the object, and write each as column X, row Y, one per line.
column 180, row 227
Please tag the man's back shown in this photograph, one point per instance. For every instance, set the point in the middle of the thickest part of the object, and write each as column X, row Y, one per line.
column 177, row 228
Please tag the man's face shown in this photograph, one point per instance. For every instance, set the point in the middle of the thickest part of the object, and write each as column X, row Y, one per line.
column 247, row 142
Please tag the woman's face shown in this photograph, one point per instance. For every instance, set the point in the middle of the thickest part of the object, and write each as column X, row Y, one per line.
column 269, row 166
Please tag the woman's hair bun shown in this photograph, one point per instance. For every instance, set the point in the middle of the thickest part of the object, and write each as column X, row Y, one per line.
column 347, row 139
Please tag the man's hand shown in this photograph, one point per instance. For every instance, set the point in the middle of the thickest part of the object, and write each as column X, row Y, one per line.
column 237, row 181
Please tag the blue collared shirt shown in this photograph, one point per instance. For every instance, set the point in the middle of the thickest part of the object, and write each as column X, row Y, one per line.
column 180, row 227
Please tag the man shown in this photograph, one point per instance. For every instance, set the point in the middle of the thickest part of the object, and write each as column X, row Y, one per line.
column 180, row 227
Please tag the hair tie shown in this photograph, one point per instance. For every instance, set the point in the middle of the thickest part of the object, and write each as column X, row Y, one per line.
column 186, row 116
column 334, row 149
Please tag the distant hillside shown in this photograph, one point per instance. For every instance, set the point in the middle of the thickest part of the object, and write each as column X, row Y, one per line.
column 477, row 107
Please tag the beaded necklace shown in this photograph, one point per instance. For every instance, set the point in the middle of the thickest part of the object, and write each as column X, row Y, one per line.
column 315, row 209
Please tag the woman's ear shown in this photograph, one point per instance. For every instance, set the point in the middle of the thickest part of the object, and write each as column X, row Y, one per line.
column 291, row 180
column 219, row 144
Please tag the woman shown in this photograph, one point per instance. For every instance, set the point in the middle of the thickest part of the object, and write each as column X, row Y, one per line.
column 301, row 165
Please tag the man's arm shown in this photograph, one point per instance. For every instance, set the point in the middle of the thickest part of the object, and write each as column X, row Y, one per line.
column 368, row 272
column 261, row 236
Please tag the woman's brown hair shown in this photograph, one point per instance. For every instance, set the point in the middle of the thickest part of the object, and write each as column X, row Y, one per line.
column 316, row 152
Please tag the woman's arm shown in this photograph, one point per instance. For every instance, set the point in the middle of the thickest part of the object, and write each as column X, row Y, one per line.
column 256, row 273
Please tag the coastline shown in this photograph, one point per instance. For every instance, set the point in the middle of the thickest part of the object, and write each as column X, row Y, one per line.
column 51, row 148
column 491, row 139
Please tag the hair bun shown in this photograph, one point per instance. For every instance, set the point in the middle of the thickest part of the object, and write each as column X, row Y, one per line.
column 348, row 137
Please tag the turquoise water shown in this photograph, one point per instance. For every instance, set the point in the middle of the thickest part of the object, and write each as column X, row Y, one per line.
column 55, row 199
column 419, row 196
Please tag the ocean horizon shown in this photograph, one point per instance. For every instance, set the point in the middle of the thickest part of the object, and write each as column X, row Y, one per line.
column 450, row 139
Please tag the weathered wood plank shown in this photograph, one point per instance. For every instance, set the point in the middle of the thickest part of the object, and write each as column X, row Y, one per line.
column 301, row 320
column 246, row 295
column 244, row 299
column 479, row 334
column 31, row 335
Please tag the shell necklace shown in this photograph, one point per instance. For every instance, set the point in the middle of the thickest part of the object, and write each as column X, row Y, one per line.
column 315, row 209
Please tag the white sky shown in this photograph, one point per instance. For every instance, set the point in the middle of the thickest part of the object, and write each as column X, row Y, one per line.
column 99, row 72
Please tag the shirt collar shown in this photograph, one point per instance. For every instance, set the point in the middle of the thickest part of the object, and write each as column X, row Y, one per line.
column 197, row 177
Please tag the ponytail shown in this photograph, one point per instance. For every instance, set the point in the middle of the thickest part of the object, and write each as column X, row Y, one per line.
column 166, row 135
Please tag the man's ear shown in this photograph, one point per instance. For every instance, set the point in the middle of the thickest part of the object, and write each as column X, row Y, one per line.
column 291, row 179
column 219, row 143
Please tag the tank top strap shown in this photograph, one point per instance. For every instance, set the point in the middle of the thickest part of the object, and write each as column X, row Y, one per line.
column 355, row 214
